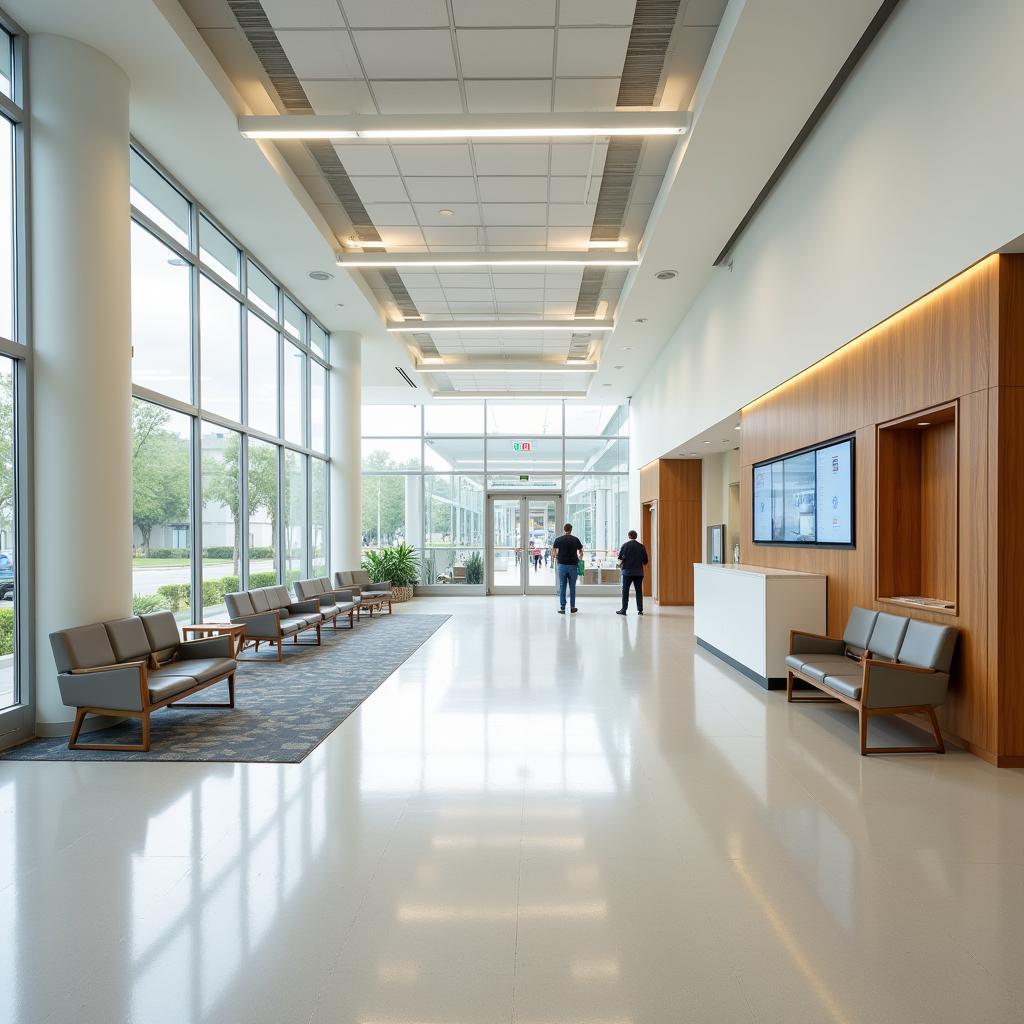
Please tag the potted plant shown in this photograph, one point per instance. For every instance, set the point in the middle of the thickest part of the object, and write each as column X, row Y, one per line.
column 398, row 565
column 475, row 568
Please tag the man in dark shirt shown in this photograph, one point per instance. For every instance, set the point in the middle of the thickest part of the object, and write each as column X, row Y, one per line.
column 632, row 559
column 566, row 551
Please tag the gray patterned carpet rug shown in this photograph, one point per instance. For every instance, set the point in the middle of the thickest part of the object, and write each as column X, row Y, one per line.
column 282, row 711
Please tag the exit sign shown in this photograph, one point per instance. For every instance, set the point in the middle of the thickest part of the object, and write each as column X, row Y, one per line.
column 523, row 447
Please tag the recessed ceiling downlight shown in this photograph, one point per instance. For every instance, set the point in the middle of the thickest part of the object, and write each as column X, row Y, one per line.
column 666, row 275
column 445, row 212
column 321, row 275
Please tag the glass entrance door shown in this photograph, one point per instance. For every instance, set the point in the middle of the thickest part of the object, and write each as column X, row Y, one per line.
column 521, row 529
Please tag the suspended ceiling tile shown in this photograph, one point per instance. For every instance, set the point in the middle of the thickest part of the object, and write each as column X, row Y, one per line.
column 459, row 213
column 566, row 309
column 571, row 214
column 380, row 190
column 572, row 238
column 420, row 279
column 392, row 214
column 361, row 158
column 339, row 97
column 406, row 53
column 569, row 190
column 386, row 13
column 508, row 97
column 465, row 280
column 418, row 97
column 506, row 52
column 514, row 190
column 516, row 236
column 580, row 158
column 430, row 159
column 470, row 294
column 581, row 51
column 515, row 214
column 393, row 237
column 511, row 158
column 427, row 294
column 502, row 12
column 441, row 189
column 467, row 308
column 303, row 13
column 456, row 236
column 320, row 54
column 586, row 94
column 596, row 12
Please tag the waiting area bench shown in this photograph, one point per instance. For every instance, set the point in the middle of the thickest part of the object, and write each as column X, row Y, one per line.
column 270, row 615
column 372, row 595
column 883, row 665
column 131, row 667
column 333, row 603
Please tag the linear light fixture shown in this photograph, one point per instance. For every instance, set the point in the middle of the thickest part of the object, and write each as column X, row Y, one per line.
column 520, row 369
column 434, row 326
column 346, row 127
column 382, row 260
column 509, row 396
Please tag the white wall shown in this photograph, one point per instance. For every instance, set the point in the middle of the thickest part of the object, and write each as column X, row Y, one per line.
column 914, row 174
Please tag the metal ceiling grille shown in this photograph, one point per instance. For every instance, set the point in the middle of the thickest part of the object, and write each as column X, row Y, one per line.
column 653, row 24
column 425, row 343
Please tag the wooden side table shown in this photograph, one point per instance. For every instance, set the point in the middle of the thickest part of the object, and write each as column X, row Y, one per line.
column 231, row 629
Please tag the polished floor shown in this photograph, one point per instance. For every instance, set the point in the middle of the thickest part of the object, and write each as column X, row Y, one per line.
column 546, row 819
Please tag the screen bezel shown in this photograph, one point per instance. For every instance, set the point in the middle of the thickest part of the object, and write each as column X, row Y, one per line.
column 824, row 545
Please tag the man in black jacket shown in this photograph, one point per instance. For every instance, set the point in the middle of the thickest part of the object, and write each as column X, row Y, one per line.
column 632, row 559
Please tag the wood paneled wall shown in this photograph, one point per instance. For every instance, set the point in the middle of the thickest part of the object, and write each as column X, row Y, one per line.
column 964, row 342
column 673, row 486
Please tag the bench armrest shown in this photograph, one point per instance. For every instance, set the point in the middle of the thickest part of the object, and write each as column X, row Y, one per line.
column 377, row 588
column 112, row 687
column 889, row 685
column 814, row 643
column 261, row 626
column 207, row 647
column 344, row 593
column 307, row 607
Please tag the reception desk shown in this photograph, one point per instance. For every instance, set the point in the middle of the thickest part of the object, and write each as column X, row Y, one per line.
column 743, row 614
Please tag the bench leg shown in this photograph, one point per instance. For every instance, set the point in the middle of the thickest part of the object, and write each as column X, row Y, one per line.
column 351, row 621
column 80, row 714
column 939, row 746
column 280, row 641
column 230, row 702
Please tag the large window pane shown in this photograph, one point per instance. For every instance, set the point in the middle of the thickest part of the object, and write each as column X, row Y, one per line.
column 524, row 419
column 159, row 200
column 318, row 406
column 454, row 418
column 596, row 420
column 454, row 453
column 597, row 455
column 161, row 509
column 318, row 517
column 294, row 394
column 220, row 335
column 456, row 566
column 598, row 508
column 161, row 317
column 8, row 510
column 262, row 513
column 390, row 505
column 383, row 453
column 294, row 319
column 222, row 527
column 6, row 64
column 294, row 516
column 8, row 235
column 261, row 290
column 453, row 508
column 218, row 252
column 318, row 339
column 510, row 455
column 262, row 372
column 391, row 420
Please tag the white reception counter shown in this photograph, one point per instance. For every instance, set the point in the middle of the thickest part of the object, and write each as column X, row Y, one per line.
column 743, row 613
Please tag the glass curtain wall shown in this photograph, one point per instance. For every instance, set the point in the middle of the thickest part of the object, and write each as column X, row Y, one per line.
column 427, row 471
column 15, row 557
column 230, row 413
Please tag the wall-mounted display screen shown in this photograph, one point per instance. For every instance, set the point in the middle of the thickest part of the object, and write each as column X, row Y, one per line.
column 806, row 497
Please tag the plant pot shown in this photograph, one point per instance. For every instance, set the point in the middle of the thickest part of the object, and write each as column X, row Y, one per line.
column 401, row 594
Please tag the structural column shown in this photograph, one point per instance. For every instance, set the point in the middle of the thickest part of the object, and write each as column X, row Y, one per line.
column 346, row 450
column 81, row 337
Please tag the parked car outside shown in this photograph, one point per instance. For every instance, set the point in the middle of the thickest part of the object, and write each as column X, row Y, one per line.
column 6, row 575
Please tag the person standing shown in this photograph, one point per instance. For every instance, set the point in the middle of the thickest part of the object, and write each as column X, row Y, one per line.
column 632, row 559
column 566, row 551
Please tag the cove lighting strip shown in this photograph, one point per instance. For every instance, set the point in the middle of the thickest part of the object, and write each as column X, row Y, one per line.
column 522, row 370
column 464, row 126
column 484, row 259
column 433, row 326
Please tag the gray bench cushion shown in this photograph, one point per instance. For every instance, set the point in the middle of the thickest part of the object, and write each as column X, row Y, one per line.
column 162, row 631
column 818, row 666
column 293, row 623
column 166, row 682
column 260, row 600
column 857, row 634
column 927, row 645
column 128, row 639
column 202, row 669
column 887, row 635
column 796, row 661
column 847, row 685
column 82, row 647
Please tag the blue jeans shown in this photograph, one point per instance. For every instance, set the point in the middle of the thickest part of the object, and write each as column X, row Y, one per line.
column 567, row 574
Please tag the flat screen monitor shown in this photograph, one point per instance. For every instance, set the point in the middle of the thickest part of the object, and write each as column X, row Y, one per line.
column 806, row 497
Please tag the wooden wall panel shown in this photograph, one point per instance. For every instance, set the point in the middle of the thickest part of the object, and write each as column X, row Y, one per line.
column 649, row 480
column 673, row 486
column 954, row 343
column 938, row 512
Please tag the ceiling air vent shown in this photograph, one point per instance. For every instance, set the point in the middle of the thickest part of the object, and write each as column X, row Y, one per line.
column 408, row 380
